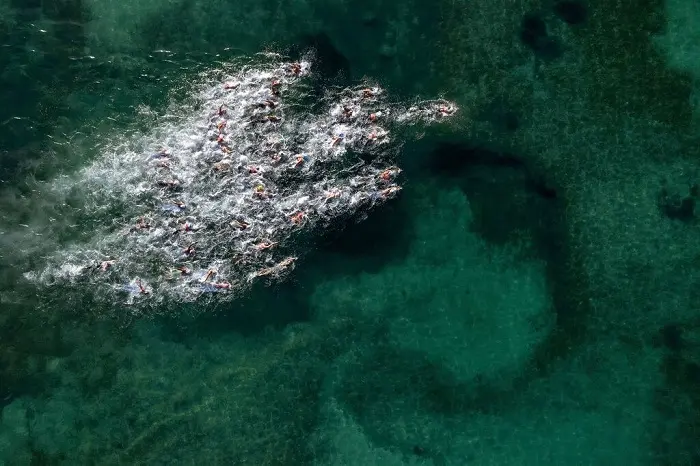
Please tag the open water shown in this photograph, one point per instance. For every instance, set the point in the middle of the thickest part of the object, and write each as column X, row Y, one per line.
column 529, row 297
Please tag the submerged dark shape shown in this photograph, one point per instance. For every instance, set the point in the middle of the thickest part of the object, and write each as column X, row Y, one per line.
column 508, row 196
column 533, row 33
column 372, row 243
column 533, row 30
column 692, row 372
column 677, row 207
column 672, row 337
column 571, row 11
column 453, row 159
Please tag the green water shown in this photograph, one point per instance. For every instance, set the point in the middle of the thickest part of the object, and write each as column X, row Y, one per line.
column 530, row 298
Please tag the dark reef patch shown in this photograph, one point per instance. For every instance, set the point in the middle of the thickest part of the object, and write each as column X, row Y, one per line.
column 509, row 198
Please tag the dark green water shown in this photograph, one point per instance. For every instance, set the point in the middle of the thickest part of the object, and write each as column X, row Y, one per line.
column 530, row 298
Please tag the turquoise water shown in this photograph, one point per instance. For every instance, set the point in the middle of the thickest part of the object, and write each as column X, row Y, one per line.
column 530, row 297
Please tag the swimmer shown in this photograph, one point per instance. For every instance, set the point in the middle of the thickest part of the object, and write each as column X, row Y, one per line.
column 222, row 285
column 210, row 273
column 295, row 68
column 175, row 208
column 253, row 170
column 142, row 224
column 264, row 245
column 240, row 224
column 374, row 135
column 445, row 110
column 347, row 112
column 300, row 159
column 142, row 289
column 336, row 140
column 259, row 192
column 189, row 250
column 221, row 125
column 169, row 184
column 161, row 154
column 223, row 165
column 105, row 265
column 297, row 218
column 277, row 268
column 389, row 173
column 230, row 85
column 222, row 110
column 261, row 272
column 367, row 93
column 374, row 116
column 389, row 191
column 163, row 163
column 333, row 193
column 286, row 262
column 275, row 86
column 267, row 103
column 184, row 271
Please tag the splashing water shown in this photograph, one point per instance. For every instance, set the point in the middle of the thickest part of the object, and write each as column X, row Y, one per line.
column 204, row 206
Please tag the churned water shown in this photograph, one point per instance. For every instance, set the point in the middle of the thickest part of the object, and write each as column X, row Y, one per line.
column 349, row 232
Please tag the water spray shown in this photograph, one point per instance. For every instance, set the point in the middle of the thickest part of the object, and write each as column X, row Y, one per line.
column 212, row 204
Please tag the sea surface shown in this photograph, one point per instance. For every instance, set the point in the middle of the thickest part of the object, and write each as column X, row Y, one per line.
column 529, row 298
